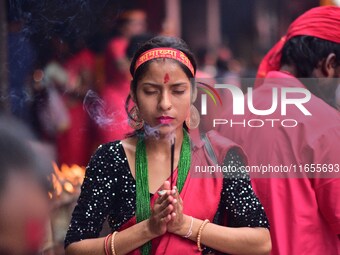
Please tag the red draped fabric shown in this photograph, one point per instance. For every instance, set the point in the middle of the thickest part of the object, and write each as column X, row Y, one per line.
column 321, row 22
column 206, row 190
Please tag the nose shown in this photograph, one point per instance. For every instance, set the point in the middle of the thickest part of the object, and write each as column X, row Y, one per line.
column 165, row 102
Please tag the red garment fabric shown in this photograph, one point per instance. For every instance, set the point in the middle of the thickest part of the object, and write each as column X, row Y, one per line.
column 304, row 213
column 115, row 92
column 83, row 63
column 74, row 145
column 116, row 51
column 117, row 120
column 321, row 22
column 206, row 190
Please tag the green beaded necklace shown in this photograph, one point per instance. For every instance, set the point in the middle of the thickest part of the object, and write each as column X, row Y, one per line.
column 143, row 210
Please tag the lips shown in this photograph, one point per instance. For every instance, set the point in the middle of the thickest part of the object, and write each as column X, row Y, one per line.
column 165, row 119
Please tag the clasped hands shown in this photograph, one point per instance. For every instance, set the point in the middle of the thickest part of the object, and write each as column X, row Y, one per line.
column 167, row 213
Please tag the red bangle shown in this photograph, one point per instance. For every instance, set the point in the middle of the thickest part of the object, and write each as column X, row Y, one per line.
column 106, row 243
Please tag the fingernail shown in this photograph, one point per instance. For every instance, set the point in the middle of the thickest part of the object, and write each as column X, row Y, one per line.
column 161, row 192
column 174, row 201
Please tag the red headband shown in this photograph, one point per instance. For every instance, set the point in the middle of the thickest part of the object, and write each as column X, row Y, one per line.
column 165, row 53
column 321, row 22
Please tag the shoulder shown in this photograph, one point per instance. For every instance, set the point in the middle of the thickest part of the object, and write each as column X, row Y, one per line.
column 218, row 140
column 108, row 148
column 108, row 160
column 107, row 153
column 223, row 146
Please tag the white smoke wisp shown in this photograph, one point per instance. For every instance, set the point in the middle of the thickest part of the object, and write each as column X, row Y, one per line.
column 99, row 111
column 151, row 131
column 154, row 132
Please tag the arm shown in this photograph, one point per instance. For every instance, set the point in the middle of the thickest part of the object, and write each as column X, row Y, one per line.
column 248, row 228
column 132, row 237
column 94, row 204
column 125, row 241
column 243, row 240
column 327, row 184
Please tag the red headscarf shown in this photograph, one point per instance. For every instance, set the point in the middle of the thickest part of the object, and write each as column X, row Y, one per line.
column 321, row 22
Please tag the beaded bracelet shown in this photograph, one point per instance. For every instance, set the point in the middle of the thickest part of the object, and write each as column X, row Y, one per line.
column 188, row 234
column 113, row 242
column 106, row 244
column 205, row 222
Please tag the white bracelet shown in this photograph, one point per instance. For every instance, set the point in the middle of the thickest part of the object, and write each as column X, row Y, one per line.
column 190, row 228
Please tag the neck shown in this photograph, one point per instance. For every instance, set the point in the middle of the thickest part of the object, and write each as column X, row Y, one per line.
column 288, row 69
column 162, row 145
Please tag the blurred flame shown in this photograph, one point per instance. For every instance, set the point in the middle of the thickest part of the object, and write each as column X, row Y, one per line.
column 66, row 179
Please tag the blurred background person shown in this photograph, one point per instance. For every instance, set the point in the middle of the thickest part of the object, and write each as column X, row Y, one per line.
column 24, row 208
column 129, row 23
column 302, row 204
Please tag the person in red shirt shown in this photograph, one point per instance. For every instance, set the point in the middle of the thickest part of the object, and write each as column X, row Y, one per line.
column 117, row 85
column 301, row 198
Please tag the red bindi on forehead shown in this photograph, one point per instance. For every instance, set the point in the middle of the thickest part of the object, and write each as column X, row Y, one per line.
column 166, row 78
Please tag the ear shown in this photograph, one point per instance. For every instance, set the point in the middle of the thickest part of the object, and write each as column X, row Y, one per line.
column 328, row 66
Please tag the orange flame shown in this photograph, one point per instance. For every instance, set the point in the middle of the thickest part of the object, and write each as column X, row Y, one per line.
column 66, row 179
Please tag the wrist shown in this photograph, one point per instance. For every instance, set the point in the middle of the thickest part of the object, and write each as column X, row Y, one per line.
column 185, row 227
column 147, row 231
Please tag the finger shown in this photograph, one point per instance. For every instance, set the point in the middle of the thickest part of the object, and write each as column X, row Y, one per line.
column 166, row 219
column 178, row 204
column 163, row 196
column 161, row 192
column 173, row 215
column 166, row 185
column 174, row 190
column 178, row 198
column 164, row 190
column 166, row 210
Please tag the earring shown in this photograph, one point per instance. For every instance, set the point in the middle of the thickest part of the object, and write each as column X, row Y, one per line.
column 135, row 121
column 193, row 120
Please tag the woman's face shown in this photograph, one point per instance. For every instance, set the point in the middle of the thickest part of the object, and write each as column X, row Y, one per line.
column 163, row 96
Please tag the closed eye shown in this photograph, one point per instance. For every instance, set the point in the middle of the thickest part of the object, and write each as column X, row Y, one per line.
column 178, row 92
column 151, row 92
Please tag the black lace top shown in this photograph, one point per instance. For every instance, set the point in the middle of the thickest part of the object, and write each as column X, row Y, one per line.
column 109, row 192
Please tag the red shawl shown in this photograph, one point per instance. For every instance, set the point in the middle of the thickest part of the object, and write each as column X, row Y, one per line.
column 321, row 22
column 205, row 190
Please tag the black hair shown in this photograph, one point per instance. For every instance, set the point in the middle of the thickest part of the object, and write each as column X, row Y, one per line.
column 158, row 42
column 305, row 52
column 135, row 42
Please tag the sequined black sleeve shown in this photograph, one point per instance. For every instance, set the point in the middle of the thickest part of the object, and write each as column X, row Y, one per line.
column 242, row 207
column 95, row 200
column 239, row 206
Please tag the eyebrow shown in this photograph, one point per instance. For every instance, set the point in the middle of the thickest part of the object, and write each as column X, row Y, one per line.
column 161, row 85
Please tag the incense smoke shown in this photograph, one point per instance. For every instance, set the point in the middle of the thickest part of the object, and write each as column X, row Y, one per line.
column 100, row 112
